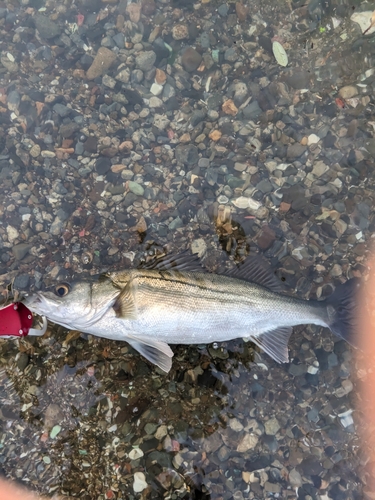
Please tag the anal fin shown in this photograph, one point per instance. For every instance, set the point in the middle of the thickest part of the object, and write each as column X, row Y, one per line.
column 275, row 343
column 157, row 352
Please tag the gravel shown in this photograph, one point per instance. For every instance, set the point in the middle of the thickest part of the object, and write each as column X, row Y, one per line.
column 134, row 129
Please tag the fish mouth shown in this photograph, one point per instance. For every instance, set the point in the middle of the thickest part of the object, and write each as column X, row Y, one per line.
column 36, row 302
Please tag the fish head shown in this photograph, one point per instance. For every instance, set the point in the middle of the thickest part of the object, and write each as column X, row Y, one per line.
column 75, row 306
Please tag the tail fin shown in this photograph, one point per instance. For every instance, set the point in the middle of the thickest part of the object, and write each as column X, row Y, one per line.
column 343, row 312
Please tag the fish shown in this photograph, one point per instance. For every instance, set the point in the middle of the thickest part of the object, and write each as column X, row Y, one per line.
column 174, row 300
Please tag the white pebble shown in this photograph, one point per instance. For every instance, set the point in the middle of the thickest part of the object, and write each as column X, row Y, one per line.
column 12, row 233
column 135, row 454
column 346, row 418
column 364, row 19
column 244, row 202
column 156, row 89
column 312, row 139
column 139, row 483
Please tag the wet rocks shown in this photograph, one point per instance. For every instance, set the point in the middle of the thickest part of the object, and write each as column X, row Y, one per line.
column 53, row 416
column 47, row 28
column 180, row 32
column 348, row 91
column 139, row 483
column 21, row 250
column 248, row 442
column 187, row 154
column 190, row 59
column 103, row 61
column 145, row 60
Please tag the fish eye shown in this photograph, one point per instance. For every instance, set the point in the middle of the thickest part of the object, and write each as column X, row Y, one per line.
column 62, row 289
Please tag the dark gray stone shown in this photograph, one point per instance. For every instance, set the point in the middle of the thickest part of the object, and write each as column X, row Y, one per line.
column 68, row 130
column 47, row 29
column 187, row 154
column 264, row 186
column 295, row 151
column 14, row 100
column 175, row 224
column 21, row 250
column 62, row 110
column 130, row 198
column 252, row 111
column 21, row 281
column 297, row 370
column 22, row 361
column 197, row 117
column 102, row 165
column 145, row 60
column 223, row 10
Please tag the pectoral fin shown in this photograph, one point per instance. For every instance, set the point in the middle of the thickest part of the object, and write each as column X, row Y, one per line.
column 275, row 343
column 158, row 353
column 124, row 305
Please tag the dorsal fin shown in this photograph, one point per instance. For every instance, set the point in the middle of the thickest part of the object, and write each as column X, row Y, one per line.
column 184, row 261
column 256, row 270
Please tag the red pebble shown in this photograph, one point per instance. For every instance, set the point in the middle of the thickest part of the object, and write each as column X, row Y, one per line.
column 80, row 19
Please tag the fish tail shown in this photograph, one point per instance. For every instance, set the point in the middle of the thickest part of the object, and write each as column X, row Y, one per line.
column 342, row 310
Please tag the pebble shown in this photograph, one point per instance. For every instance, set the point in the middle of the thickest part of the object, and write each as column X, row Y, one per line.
column 21, row 282
column 47, row 28
column 136, row 188
column 298, row 79
column 134, row 12
column 9, row 65
column 242, row 11
column 248, row 442
column 156, row 89
column 145, row 60
column 12, row 233
column 348, row 91
column 161, row 432
column 55, row 431
column 190, row 59
column 139, row 482
column 102, row 165
column 235, row 425
column 244, row 202
column 21, row 250
column 295, row 151
column 223, row 10
column 180, row 32
column 364, row 19
column 135, row 454
column 312, row 139
column 199, row 247
column 102, row 62
column 223, row 453
column 187, row 154
column 13, row 100
column 272, row 426
column 229, row 107
column 124, row 76
column 320, row 168
column 22, row 361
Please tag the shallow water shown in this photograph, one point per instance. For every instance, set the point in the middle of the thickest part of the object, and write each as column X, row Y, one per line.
column 222, row 151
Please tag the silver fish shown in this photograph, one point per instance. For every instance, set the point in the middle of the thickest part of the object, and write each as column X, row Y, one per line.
column 174, row 301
